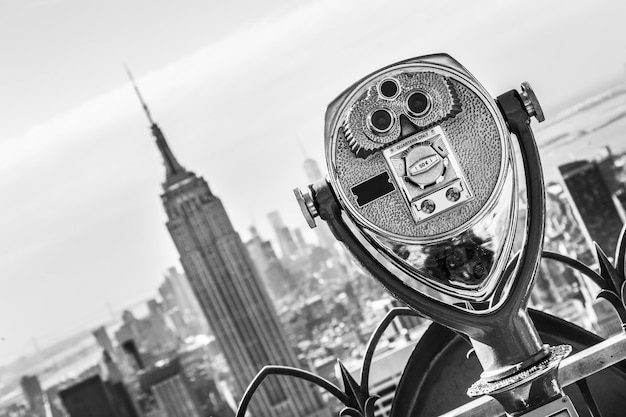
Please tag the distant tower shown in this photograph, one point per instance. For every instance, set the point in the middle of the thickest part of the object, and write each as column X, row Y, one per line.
column 276, row 278
column 312, row 170
column 172, row 390
column 286, row 242
column 229, row 289
column 104, row 341
column 34, row 394
column 593, row 198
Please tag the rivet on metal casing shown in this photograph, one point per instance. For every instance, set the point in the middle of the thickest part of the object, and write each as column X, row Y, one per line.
column 531, row 104
column 309, row 211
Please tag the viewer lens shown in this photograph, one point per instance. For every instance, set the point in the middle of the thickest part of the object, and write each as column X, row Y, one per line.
column 389, row 89
column 381, row 120
column 418, row 104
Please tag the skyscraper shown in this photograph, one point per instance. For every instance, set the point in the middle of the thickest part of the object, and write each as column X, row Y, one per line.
column 277, row 280
column 104, row 341
column 34, row 394
column 152, row 334
column 593, row 198
column 312, row 170
column 94, row 397
column 172, row 390
column 287, row 244
column 229, row 290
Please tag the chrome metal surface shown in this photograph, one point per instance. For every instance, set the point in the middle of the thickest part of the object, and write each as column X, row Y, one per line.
column 307, row 206
column 427, row 161
column 593, row 359
column 531, row 104
column 504, row 336
column 380, row 239
column 462, row 269
column 560, row 407
column 393, row 120
column 515, row 370
column 382, row 94
column 418, row 113
column 515, row 392
column 446, row 224
column 573, row 368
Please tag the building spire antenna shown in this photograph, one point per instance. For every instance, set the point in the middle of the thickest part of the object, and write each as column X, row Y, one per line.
column 143, row 103
column 172, row 168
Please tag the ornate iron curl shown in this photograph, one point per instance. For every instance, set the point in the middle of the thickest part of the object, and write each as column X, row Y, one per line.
column 356, row 398
column 574, row 264
column 614, row 288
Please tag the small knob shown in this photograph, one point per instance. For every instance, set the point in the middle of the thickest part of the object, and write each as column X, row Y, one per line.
column 307, row 206
column 533, row 108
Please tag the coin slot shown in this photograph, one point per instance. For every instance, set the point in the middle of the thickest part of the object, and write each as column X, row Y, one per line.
column 372, row 189
column 439, row 146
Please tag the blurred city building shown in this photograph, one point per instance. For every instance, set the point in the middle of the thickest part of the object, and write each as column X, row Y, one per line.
column 181, row 305
column 55, row 403
column 274, row 275
column 34, row 395
column 93, row 397
column 312, row 170
column 385, row 372
column 203, row 373
column 560, row 290
column 104, row 341
column 555, row 282
column 152, row 334
column 171, row 388
column 607, row 321
column 592, row 187
column 289, row 247
column 135, row 357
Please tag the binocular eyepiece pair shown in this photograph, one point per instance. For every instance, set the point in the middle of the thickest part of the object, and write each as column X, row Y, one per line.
column 382, row 119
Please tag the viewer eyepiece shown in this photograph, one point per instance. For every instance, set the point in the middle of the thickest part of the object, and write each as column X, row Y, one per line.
column 389, row 89
column 418, row 104
column 381, row 120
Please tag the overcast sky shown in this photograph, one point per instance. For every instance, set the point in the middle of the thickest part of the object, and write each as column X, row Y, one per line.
column 234, row 85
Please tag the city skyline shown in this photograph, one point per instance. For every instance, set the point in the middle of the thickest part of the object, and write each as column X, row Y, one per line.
column 66, row 157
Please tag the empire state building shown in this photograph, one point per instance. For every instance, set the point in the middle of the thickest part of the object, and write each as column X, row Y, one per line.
column 229, row 290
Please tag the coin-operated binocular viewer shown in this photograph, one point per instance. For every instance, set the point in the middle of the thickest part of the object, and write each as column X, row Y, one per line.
column 423, row 190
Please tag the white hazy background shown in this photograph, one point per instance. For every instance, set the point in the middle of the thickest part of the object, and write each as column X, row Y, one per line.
column 235, row 86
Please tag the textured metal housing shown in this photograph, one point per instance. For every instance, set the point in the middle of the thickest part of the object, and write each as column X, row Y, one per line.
column 477, row 230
